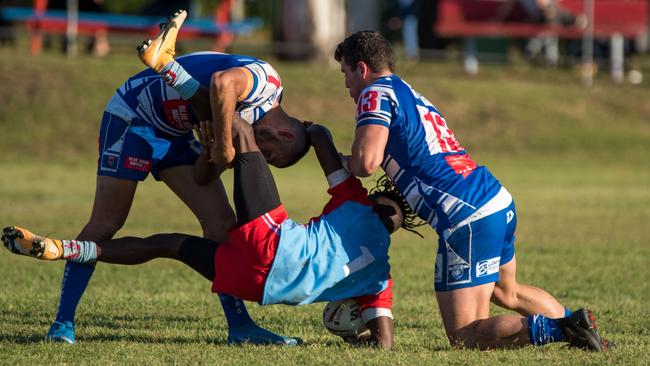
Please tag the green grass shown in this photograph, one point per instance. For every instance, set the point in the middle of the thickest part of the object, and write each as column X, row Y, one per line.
column 576, row 161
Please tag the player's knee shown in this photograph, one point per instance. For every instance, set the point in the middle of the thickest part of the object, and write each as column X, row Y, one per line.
column 465, row 337
column 217, row 230
column 101, row 229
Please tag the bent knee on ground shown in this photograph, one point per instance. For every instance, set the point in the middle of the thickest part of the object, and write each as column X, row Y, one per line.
column 461, row 338
column 467, row 337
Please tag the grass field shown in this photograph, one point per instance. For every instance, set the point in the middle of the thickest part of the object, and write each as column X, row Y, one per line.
column 576, row 161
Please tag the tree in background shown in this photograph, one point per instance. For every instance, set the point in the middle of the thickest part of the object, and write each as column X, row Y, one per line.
column 307, row 29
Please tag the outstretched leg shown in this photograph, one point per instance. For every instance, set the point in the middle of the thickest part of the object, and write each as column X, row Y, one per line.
column 197, row 253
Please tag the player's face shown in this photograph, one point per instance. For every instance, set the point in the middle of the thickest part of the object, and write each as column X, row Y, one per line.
column 270, row 145
column 353, row 80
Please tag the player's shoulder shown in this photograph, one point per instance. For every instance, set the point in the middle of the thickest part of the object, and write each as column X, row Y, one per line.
column 384, row 88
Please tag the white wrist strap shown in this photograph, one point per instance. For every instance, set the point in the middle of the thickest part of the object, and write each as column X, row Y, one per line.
column 337, row 177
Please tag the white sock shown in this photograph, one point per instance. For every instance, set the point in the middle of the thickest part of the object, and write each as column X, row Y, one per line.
column 79, row 251
column 175, row 76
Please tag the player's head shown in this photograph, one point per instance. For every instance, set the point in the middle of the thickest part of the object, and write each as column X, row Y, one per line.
column 393, row 210
column 363, row 56
column 281, row 138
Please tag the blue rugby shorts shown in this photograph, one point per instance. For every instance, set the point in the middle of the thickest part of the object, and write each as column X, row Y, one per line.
column 132, row 150
column 470, row 253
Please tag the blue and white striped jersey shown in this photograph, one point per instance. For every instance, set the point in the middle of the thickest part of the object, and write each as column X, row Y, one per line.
column 428, row 165
column 147, row 98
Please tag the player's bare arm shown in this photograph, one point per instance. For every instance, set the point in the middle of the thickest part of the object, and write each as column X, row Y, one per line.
column 226, row 88
column 204, row 170
column 326, row 153
column 367, row 150
column 243, row 136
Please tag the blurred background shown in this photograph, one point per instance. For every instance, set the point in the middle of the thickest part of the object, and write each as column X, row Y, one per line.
column 595, row 35
column 552, row 95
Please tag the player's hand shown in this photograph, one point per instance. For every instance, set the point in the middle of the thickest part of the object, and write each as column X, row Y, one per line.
column 204, row 132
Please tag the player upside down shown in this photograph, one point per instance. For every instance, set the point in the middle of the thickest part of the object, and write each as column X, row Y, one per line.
column 268, row 257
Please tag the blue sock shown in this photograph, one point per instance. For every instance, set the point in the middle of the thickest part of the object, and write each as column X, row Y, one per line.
column 235, row 310
column 75, row 280
column 543, row 330
column 567, row 311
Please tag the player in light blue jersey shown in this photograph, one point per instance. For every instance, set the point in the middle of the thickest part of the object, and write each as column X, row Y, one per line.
column 474, row 215
column 146, row 128
column 268, row 257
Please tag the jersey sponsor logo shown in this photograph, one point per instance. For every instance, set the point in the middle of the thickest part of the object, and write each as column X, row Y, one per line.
column 488, row 267
column 177, row 113
column 461, row 164
column 141, row 165
column 509, row 216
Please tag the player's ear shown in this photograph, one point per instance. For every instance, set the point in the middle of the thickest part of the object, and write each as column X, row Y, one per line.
column 363, row 69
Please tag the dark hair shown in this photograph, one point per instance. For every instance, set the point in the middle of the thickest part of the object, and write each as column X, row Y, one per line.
column 386, row 188
column 369, row 47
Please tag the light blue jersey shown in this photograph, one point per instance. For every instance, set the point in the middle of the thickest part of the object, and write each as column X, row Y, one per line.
column 341, row 254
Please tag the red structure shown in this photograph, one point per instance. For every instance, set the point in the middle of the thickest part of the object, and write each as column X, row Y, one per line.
column 475, row 18
column 39, row 20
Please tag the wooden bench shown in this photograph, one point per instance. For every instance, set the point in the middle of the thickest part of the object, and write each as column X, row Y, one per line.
column 614, row 19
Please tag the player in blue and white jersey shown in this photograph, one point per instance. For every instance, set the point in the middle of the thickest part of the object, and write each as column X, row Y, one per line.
column 268, row 257
column 146, row 128
column 474, row 215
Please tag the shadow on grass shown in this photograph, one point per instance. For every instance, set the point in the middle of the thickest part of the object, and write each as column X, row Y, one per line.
column 121, row 321
column 40, row 338
column 22, row 339
column 139, row 338
column 129, row 321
